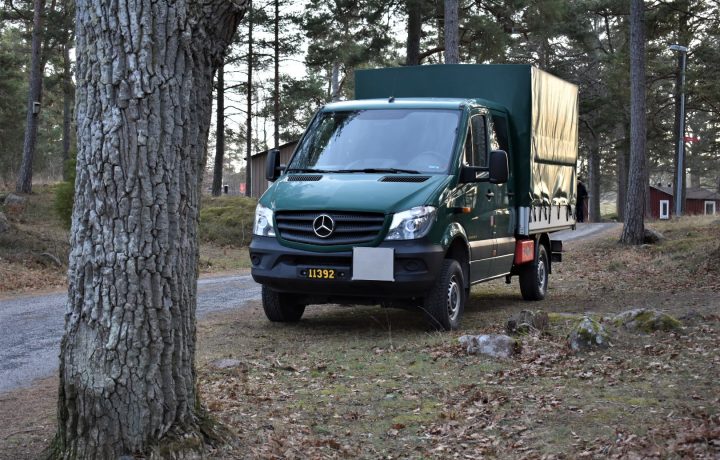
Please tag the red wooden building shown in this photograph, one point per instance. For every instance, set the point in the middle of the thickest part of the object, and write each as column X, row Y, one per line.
column 697, row 201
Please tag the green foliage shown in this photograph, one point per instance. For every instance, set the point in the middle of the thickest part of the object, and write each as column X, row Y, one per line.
column 227, row 221
column 13, row 86
column 65, row 194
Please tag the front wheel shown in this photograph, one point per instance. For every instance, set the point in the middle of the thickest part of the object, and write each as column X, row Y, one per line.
column 534, row 276
column 445, row 303
column 281, row 307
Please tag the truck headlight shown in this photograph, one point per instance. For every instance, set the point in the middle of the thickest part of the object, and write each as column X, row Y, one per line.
column 263, row 221
column 412, row 224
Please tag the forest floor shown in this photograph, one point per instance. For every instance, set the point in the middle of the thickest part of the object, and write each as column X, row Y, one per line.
column 375, row 383
column 34, row 252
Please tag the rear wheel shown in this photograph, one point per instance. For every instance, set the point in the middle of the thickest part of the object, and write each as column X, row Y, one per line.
column 281, row 307
column 445, row 303
column 534, row 276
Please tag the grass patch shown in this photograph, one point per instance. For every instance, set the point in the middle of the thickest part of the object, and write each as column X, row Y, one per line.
column 227, row 221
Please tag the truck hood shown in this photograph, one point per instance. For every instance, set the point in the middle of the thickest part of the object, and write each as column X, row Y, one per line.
column 353, row 192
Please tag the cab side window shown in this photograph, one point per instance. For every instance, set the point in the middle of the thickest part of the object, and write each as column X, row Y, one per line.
column 476, row 142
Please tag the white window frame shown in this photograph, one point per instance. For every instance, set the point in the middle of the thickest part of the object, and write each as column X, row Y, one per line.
column 664, row 204
column 705, row 208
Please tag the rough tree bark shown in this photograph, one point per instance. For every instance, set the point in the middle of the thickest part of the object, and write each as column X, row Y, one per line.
column 219, row 134
column 414, row 31
column 634, row 228
column 143, row 105
column 24, row 180
column 452, row 32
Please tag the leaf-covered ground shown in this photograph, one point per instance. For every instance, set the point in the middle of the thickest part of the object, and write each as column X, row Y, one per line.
column 363, row 382
column 373, row 383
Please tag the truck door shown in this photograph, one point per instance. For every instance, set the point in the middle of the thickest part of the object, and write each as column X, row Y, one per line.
column 477, row 206
column 502, row 221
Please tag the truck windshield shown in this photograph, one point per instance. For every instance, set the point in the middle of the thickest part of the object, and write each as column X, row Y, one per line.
column 397, row 140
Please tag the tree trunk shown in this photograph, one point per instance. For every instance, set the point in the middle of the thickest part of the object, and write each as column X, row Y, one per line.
column 452, row 32
column 634, row 228
column 67, row 110
column 276, row 82
column 219, row 134
column 683, row 37
column 24, row 180
column 414, row 32
column 144, row 100
column 248, row 135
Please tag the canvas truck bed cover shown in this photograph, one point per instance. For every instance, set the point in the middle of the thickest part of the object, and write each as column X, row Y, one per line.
column 543, row 113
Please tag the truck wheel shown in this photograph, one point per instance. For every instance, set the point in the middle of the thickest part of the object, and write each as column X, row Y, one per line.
column 534, row 276
column 445, row 303
column 280, row 307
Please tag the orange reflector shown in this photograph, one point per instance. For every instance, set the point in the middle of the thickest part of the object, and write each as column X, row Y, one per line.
column 524, row 251
column 466, row 210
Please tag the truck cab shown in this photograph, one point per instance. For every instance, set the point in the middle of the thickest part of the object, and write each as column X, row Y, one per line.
column 405, row 202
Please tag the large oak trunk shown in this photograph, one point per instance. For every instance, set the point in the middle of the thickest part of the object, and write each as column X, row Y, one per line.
column 143, row 104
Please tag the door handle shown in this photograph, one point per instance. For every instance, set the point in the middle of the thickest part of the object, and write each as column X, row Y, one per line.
column 489, row 194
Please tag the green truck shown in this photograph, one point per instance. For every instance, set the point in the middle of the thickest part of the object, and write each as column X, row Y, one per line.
column 433, row 179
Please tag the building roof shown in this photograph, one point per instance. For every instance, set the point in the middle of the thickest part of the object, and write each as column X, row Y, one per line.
column 287, row 144
column 691, row 193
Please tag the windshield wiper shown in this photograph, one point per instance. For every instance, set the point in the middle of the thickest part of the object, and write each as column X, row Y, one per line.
column 378, row 170
column 307, row 170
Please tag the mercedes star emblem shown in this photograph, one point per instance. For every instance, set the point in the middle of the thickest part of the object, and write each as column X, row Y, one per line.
column 323, row 225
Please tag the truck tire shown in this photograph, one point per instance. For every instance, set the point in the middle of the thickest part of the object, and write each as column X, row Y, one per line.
column 445, row 303
column 534, row 276
column 280, row 307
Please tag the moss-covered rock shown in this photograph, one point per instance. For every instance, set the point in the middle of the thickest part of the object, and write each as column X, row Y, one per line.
column 528, row 321
column 646, row 320
column 588, row 334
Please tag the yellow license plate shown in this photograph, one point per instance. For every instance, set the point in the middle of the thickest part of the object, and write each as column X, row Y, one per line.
column 320, row 273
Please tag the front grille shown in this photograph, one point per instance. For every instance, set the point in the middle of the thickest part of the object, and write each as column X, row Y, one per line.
column 404, row 178
column 350, row 227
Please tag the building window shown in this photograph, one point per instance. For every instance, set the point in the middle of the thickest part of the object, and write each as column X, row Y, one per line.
column 710, row 208
column 664, row 209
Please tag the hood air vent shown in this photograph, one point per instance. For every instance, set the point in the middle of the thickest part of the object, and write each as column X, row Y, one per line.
column 304, row 177
column 404, row 178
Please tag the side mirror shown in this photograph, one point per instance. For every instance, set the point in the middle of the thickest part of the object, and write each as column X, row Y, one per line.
column 499, row 169
column 272, row 165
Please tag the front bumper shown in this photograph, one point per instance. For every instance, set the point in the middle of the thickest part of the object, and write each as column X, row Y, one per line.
column 417, row 265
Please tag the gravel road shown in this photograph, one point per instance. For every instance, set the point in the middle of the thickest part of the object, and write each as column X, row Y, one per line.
column 31, row 327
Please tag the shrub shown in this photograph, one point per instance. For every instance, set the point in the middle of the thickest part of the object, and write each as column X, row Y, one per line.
column 227, row 221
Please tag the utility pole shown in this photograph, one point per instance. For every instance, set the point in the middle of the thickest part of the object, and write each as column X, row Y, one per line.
column 680, row 180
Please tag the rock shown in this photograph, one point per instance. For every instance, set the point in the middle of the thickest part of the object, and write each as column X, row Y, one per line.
column 527, row 321
column 226, row 363
column 652, row 236
column 14, row 204
column 646, row 320
column 14, row 200
column 4, row 224
column 588, row 334
column 495, row 345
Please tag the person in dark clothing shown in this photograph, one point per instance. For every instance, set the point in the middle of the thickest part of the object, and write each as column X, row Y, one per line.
column 582, row 195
